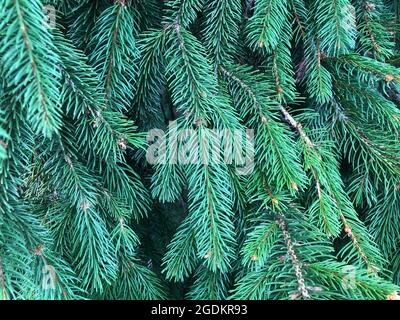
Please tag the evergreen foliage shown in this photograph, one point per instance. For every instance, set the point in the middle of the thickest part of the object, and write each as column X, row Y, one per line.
column 84, row 215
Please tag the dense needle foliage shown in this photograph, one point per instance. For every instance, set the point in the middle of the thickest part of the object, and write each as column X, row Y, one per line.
column 85, row 215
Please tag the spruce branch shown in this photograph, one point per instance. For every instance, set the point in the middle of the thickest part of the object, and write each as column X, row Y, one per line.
column 114, row 54
column 335, row 194
column 33, row 77
column 313, row 84
column 297, row 266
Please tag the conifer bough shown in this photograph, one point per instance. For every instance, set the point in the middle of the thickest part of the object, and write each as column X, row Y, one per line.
column 84, row 215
